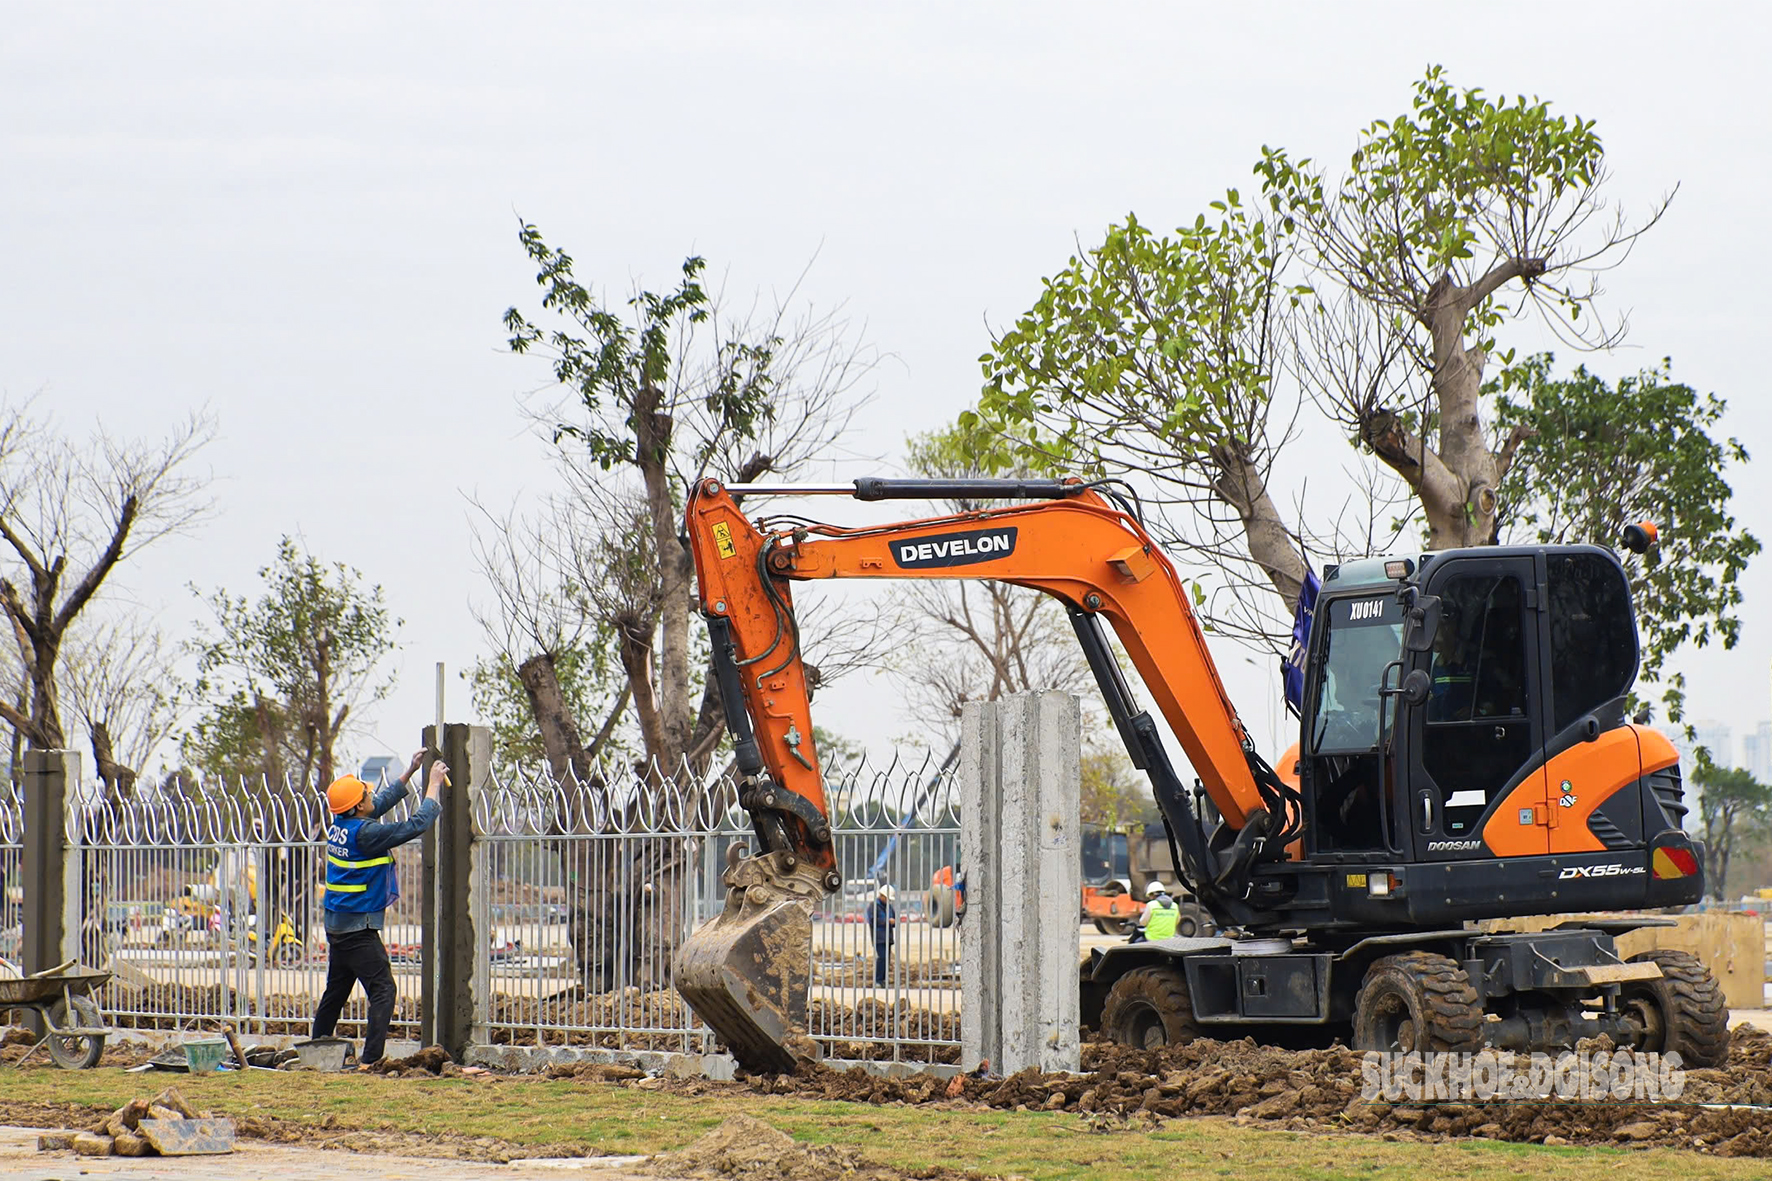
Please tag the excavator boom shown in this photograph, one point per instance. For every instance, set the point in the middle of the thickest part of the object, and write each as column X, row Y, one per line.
column 745, row 972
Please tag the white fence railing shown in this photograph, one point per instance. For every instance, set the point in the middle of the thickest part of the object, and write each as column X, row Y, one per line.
column 591, row 888
column 204, row 900
column 12, row 888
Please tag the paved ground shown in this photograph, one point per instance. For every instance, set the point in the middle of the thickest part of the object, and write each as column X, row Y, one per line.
column 257, row 1162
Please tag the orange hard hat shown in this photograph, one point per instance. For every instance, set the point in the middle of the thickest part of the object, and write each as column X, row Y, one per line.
column 346, row 792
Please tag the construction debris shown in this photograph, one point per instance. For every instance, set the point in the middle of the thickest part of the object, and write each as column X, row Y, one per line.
column 165, row 1125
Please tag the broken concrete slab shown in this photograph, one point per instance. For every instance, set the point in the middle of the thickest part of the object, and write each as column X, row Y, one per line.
column 189, row 1137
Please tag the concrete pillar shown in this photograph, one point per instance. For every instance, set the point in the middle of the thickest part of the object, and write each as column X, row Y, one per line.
column 429, row 884
column 463, row 940
column 53, row 882
column 1019, row 774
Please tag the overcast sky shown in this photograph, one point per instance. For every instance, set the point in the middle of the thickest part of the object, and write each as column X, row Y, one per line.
column 304, row 218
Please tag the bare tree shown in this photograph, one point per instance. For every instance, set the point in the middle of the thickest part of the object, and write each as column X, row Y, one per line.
column 975, row 641
column 70, row 513
column 118, row 678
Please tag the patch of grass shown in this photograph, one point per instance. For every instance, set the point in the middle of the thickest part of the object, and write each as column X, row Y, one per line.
column 1040, row 1146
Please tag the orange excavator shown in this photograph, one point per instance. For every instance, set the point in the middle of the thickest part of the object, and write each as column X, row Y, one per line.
column 1463, row 755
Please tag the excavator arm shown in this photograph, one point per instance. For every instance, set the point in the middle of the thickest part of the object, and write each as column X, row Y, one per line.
column 746, row 972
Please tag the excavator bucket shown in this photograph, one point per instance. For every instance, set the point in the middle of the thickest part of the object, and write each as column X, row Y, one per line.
column 747, row 971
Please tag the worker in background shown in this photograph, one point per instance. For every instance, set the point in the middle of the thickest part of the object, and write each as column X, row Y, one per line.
column 361, row 883
column 882, row 920
column 1160, row 915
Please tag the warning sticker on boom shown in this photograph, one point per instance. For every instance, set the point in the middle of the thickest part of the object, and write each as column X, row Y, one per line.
column 723, row 540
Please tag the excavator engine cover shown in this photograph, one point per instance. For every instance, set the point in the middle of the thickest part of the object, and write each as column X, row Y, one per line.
column 746, row 972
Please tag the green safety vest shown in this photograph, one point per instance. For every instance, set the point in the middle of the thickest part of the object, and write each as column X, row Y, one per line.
column 1162, row 919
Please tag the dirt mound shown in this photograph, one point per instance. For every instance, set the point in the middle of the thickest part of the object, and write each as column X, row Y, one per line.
column 1320, row 1089
column 752, row 1150
column 429, row 1061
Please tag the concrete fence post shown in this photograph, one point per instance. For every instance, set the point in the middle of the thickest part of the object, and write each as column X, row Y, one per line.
column 53, row 881
column 1019, row 776
column 464, row 934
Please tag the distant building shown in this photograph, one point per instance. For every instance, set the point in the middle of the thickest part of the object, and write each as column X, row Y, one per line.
column 376, row 768
column 1756, row 752
column 1717, row 738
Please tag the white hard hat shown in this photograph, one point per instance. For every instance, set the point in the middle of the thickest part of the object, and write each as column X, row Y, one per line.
column 888, row 893
column 1154, row 889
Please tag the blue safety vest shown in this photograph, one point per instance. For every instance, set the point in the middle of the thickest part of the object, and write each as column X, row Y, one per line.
column 355, row 883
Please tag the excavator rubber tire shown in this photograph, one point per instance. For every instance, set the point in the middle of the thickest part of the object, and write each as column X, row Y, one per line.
column 1418, row 1001
column 1194, row 922
column 938, row 904
column 1149, row 1008
column 1684, row 1011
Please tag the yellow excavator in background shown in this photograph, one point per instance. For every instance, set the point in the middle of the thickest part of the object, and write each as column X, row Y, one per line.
column 1463, row 755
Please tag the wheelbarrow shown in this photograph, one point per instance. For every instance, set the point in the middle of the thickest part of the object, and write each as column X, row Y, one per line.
column 75, row 1031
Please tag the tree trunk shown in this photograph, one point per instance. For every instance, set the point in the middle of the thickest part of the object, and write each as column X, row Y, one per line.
column 271, row 737
column 559, row 730
column 668, row 739
column 1460, row 511
column 323, row 704
column 119, row 780
column 1241, row 485
column 46, row 717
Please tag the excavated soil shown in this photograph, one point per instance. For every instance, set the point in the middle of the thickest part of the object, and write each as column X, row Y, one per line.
column 747, row 1149
column 1320, row 1090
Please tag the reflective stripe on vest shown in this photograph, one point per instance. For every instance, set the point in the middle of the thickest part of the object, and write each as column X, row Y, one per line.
column 356, row 883
column 1163, row 918
column 343, row 864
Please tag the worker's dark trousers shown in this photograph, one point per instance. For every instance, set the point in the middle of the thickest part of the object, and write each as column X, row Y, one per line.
column 358, row 955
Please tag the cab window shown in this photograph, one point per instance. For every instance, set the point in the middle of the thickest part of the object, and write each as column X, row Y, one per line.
column 1479, row 667
column 1478, row 733
column 1365, row 635
column 1593, row 638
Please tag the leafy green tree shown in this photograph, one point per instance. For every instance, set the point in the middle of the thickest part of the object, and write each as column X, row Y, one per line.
column 1379, row 295
column 1112, row 791
column 282, row 675
column 1733, row 808
column 655, row 399
column 1157, row 354
column 1453, row 221
column 1594, row 457
column 650, row 398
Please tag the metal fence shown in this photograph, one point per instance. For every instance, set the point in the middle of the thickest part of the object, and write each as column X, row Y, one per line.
column 12, row 888
column 205, row 901
column 591, row 886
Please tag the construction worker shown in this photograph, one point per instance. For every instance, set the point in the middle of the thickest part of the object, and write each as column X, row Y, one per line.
column 1160, row 914
column 882, row 920
column 360, row 885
